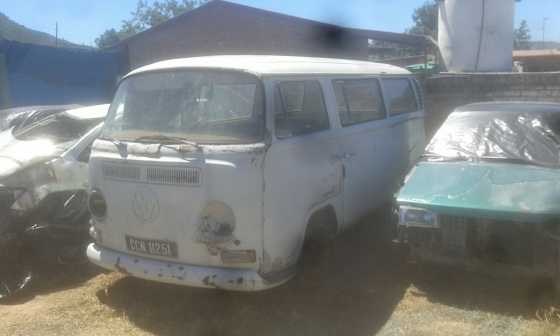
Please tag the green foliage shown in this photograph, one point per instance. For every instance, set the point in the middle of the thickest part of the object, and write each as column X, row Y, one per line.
column 147, row 16
column 109, row 38
column 522, row 36
column 425, row 19
column 13, row 31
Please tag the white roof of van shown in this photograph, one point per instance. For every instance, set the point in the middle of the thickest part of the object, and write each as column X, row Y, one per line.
column 277, row 65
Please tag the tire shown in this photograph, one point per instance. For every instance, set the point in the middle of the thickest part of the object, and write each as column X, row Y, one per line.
column 15, row 267
column 320, row 233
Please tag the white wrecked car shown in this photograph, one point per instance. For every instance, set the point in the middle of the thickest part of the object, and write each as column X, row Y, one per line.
column 43, row 183
column 13, row 116
column 49, row 154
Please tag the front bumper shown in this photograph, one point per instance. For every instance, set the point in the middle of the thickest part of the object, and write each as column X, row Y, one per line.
column 179, row 274
column 488, row 247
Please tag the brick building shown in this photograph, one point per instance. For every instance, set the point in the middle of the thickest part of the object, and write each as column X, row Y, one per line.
column 221, row 27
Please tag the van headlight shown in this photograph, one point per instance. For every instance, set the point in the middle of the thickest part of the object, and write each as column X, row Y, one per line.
column 97, row 204
column 416, row 217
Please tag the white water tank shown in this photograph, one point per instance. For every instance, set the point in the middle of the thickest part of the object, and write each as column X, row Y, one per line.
column 476, row 35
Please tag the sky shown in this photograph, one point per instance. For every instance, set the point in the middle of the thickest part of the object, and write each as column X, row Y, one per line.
column 81, row 21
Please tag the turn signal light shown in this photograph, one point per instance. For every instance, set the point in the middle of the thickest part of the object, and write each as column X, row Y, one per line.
column 238, row 256
column 95, row 234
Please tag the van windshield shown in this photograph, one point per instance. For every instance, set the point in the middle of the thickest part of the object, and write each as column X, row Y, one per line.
column 208, row 107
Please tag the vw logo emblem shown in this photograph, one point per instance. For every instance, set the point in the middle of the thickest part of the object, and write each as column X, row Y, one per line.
column 145, row 205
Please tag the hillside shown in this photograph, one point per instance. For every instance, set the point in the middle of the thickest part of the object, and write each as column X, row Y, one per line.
column 13, row 31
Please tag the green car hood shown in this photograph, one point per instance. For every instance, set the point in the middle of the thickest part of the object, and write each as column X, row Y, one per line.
column 503, row 190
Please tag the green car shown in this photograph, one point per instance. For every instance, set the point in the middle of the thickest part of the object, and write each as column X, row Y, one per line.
column 486, row 192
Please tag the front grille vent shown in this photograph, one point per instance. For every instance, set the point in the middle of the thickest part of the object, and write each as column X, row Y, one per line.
column 121, row 172
column 454, row 233
column 173, row 176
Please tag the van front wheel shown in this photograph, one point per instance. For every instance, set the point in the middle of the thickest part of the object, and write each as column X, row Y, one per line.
column 321, row 228
column 321, row 231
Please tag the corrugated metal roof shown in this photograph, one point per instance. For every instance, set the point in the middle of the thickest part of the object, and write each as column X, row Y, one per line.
column 511, row 106
column 536, row 53
column 407, row 39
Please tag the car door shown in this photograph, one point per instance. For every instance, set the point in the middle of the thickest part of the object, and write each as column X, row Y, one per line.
column 362, row 148
column 301, row 173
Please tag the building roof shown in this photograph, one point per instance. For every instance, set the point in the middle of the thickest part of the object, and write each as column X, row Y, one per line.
column 521, row 107
column 542, row 53
column 276, row 65
column 418, row 41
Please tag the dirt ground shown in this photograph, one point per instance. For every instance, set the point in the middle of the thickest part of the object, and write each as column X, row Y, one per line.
column 362, row 286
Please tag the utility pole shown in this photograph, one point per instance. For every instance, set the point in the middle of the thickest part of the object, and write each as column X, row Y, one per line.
column 544, row 32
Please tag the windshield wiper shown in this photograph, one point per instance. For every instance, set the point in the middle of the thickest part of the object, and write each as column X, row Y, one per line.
column 122, row 147
column 168, row 140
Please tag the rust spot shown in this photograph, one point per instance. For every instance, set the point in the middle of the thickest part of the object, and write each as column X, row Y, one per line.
column 120, row 268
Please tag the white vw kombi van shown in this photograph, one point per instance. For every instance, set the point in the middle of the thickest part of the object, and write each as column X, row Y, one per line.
column 213, row 171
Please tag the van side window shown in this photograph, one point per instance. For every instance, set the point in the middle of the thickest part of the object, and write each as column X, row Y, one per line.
column 358, row 100
column 300, row 109
column 419, row 93
column 400, row 96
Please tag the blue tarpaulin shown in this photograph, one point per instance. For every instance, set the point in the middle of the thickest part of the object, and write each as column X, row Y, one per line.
column 42, row 75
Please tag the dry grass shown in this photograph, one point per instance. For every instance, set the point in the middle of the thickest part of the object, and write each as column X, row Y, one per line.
column 363, row 287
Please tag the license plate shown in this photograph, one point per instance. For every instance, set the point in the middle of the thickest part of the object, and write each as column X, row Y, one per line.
column 152, row 247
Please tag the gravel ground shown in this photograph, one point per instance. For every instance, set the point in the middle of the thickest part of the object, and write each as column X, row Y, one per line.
column 362, row 285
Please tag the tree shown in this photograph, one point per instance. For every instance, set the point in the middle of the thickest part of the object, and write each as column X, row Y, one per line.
column 145, row 17
column 109, row 38
column 425, row 19
column 522, row 36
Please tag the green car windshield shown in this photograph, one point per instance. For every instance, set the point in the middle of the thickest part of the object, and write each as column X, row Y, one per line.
column 528, row 138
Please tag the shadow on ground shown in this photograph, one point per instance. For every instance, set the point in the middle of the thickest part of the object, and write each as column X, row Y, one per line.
column 352, row 292
column 48, row 279
column 483, row 292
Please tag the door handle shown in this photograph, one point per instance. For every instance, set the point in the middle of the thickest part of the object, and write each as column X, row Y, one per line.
column 337, row 157
column 343, row 156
